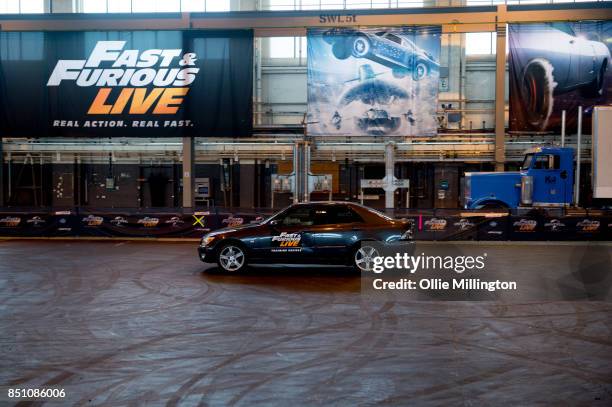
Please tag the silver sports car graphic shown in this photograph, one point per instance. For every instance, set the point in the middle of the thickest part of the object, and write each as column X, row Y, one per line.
column 395, row 51
column 548, row 60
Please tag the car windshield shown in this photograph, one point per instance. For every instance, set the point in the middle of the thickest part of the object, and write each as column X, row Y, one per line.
column 277, row 215
column 527, row 162
column 564, row 27
column 394, row 38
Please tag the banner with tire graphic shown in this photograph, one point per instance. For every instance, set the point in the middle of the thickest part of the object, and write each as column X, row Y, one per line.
column 558, row 66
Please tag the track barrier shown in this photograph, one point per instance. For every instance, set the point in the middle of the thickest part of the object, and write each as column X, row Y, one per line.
column 441, row 224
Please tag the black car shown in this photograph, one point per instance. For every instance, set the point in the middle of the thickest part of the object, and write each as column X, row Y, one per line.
column 331, row 233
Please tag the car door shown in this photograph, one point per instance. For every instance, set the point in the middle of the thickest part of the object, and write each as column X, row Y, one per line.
column 337, row 229
column 580, row 56
column 289, row 237
column 557, row 44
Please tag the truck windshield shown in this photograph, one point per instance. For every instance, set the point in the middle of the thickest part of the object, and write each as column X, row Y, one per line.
column 527, row 162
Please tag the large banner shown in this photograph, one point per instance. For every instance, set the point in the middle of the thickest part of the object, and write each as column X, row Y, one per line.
column 376, row 82
column 555, row 67
column 126, row 83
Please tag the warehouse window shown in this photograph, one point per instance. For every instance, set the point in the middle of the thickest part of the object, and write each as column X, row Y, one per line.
column 22, row 6
column 140, row 6
column 287, row 47
column 480, row 43
column 338, row 4
column 153, row 6
column 194, row 5
column 494, row 2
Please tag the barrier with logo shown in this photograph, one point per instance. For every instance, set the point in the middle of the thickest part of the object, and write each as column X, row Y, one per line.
column 450, row 228
column 135, row 225
column 38, row 224
column 444, row 225
column 525, row 228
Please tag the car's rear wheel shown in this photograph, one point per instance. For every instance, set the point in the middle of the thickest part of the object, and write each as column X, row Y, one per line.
column 232, row 258
column 361, row 47
column 420, row 71
column 363, row 258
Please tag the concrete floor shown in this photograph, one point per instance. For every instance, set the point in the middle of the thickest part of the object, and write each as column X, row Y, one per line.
column 126, row 323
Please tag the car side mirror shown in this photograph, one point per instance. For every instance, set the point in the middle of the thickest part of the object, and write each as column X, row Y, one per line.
column 274, row 222
column 564, row 174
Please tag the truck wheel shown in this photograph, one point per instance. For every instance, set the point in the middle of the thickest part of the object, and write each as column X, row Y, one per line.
column 492, row 206
column 536, row 94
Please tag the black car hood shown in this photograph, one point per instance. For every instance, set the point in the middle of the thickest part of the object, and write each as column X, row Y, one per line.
column 232, row 229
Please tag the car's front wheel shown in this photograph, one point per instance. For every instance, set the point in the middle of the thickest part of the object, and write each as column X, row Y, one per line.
column 363, row 258
column 232, row 258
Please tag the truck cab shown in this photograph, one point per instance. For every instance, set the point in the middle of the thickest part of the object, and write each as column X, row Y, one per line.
column 546, row 179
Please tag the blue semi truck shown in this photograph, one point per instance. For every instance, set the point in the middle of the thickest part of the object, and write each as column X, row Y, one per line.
column 546, row 179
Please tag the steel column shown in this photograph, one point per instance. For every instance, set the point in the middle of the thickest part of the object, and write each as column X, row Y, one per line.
column 578, row 157
column 500, row 95
column 389, row 174
column 301, row 169
column 188, row 169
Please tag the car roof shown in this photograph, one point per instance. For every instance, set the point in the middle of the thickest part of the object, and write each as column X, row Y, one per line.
column 327, row 203
column 363, row 210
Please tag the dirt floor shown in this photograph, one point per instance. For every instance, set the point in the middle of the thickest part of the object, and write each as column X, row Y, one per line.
column 127, row 323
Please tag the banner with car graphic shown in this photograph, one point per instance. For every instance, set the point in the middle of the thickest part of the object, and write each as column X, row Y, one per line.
column 373, row 82
column 558, row 66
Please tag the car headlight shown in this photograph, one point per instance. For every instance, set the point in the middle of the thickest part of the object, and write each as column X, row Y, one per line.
column 206, row 240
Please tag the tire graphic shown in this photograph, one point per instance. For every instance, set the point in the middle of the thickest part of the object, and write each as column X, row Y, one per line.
column 536, row 92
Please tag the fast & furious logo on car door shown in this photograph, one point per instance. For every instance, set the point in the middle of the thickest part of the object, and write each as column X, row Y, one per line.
column 286, row 242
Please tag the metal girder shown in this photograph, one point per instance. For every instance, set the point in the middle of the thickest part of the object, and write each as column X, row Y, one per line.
column 283, row 23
